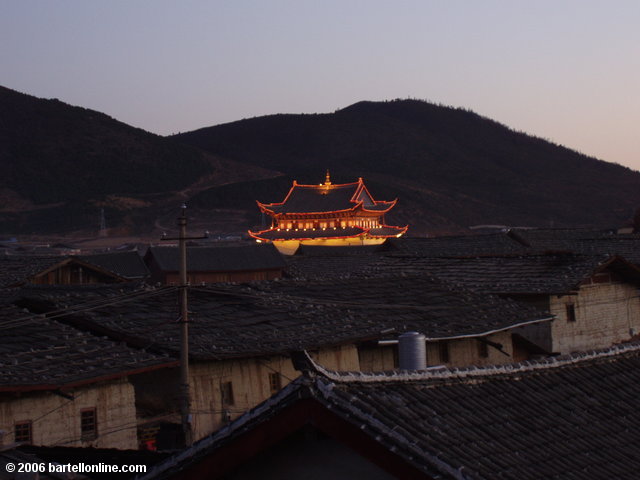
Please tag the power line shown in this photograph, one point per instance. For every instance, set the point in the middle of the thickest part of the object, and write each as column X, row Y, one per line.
column 86, row 307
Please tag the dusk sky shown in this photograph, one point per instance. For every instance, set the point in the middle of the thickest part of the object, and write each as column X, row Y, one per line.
column 567, row 71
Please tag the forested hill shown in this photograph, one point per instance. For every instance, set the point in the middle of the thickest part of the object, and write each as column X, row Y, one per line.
column 449, row 167
column 62, row 165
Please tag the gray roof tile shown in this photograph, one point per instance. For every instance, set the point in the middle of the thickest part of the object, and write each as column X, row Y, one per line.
column 569, row 417
column 36, row 351
column 276, row 317
column 311, row 198
column 226, row 258
column 508, row 274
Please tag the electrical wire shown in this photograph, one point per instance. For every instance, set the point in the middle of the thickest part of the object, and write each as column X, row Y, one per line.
column 86, row 307
column 312, row 300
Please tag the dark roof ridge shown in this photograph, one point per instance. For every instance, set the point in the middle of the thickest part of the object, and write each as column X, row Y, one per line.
column 417, row 451
column 472, row 372
column 307, row 386
column 131, row 285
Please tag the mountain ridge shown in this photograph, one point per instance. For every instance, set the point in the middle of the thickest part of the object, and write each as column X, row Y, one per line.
column 449, row 167
column 464, row 168
column 63, row 164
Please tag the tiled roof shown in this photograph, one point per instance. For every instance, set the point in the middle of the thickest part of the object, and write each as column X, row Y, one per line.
column 443, row 311
column 15, row 269
column 592, row 242
column 573, row 417
column 342, row 251
column 339, row 262
column 517, row 274
column 626, row 246
column 386, row 231
column 299, row 234
column 312, row 198
column 380, row 206
column 38, row 352
column 338, row 232
column 277, row 317
column 128, row 265
column 227, row 258
column 460, row 246
column 558, row 238
column 335, row 265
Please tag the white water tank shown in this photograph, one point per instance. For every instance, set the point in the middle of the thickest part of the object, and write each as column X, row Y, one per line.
column 412, row 351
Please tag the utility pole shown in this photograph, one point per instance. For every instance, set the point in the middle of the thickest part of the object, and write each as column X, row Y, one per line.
column 185, row 394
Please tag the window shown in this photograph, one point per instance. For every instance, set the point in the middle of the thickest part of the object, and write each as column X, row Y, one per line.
column 226, row 393
column 483, row 349
column 22, row 432
column 571, row 312
column 443, row 351
column 275, row 382
column 88, row 424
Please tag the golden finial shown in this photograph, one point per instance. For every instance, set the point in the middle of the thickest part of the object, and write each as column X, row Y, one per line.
column 327, row 180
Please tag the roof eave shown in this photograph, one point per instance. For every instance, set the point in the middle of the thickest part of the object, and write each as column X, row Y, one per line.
column 86, row 381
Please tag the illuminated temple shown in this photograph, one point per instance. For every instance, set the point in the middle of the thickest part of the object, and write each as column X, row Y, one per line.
column 327, row 214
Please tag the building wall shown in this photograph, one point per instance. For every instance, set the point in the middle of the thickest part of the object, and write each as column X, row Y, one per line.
column 470, row 351
column 378, row 358
column 72, row 274
column 463, row 352
column 56, row 419
column 250, row 383
column 606, row 313
column 343, row 358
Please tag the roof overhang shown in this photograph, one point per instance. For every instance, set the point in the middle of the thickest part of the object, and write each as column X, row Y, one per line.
column 86, row 381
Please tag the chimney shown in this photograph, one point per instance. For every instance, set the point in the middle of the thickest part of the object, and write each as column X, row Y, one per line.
column 412, row 351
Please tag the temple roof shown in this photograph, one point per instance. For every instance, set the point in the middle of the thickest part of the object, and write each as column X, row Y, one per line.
column 307, row 234
column 319, row 233
column 386, row 231
column 327, row 197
